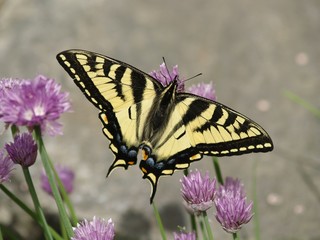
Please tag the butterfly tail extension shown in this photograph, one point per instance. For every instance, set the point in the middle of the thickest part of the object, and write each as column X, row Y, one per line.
column 117, row 163
column 153, row 179
column 153, row 169
column 124, row 157
column 147, row 166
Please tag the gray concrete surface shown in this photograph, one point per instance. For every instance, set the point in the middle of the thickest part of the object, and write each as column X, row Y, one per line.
column 253, row 51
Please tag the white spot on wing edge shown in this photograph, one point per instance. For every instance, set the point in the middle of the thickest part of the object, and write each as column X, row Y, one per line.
column 182, row 165
column 87, row 92
column 167, row 172
column 107, row 133
column 67, row 63
column 243, row 149
column 113, row 148
column 82, row 85
column 63, row 57
column 104, row 118
column 268, row 145
column 196, row 157
column 94, row 100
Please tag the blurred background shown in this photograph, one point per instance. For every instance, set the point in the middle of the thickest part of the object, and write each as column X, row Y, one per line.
column 253, row 52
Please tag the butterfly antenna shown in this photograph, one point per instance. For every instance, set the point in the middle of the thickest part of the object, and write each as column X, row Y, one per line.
column 197, row 75
column 165, row 63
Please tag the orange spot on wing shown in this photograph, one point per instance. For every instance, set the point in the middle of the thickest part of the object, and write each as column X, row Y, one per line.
column 144, row 155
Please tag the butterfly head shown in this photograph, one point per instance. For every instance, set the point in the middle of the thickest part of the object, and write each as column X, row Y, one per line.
column 167, row 77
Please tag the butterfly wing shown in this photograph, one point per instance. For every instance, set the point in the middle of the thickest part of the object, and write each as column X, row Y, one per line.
column 197, row 127
column 122, row 93
column 215, row 129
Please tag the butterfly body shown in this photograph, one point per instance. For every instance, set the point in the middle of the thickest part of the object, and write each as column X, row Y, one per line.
column 171, row 128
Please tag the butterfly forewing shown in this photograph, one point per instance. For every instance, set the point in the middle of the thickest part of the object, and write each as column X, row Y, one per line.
column 220, row 131
column 123, row 94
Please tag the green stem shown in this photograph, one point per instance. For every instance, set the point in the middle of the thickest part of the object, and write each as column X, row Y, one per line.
column 217, row 169
column 14, row 130
column 9, row 233
column 158, row 218
column 54, row 188
column 65, row 196
column 235, row 236
column 312, row 109
column 1, row 237
column 25, row 208
column 63, row 230
column 19, row 202
column 194, row 224
column 203, row 230
column 36, row 203
column 207, row 225
column 255, row 201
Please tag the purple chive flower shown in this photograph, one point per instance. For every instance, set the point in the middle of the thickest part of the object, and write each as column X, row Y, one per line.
column 35, row 103
column 7, row 85
column 23, row 150
column 205, row 90
column 198, row 191
column 232, row 209
column 184, row 236
column 97, row 229
column 66, row 176
column 165, row 77
column 6, row 166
